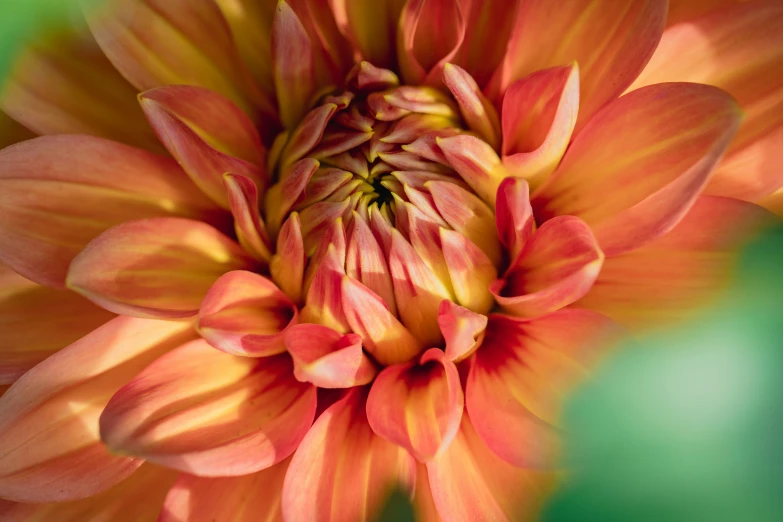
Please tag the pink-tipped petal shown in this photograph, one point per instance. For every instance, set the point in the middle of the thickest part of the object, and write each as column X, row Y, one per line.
column 476, row 109
column 282, row 197
column 307, row 134
column 288, row 264
column 462, row 329
column 324, row 304
column 209, row 413
column 365, row 262
column 470, row 270
column 514, row 216
column 249, row 227
column 477, row 163
column 292, row 65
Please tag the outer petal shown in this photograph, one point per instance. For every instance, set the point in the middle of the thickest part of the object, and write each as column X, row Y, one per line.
column 521, row 375
column 611, row 41
column 206, row 412
column 328, row 359
column 342, row 471
column 736, row 48
column 370, row 26
column 558, row 266
column 158, row 267
column 418, row 405
column 514, row 216
column 246, row 314
column 247, row 498
column 468, row 478
column 674, row 276
column 65, row 394
column 462, row 329
column 477, row 163
column 476, row 109
column 37, row 322
column 54, row 201
column 652, row 150
column 138, row 498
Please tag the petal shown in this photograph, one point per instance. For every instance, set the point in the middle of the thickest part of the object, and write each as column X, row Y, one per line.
column 462, row 329
column 519, row 378
column 138, row 498
column 328, row 359
column 514, row 216
column 675, row 276
column 160, row 267
column 307, row 134
column 384, row 337
column 468, row 478
column 287, row 265
column 292, row 65
column 342, row 471
column 248, row 225
column 471, row 271
column 476, row 109
column 209, row 413
column 736, row 48
column 539, row 116
column 37, row 322
column 65, row 394
column 324, row 299
column 370, row 26
column 418, row 405
column 12, row 131
column 282, row 197
column 611, row 41
column 652, row 150
column 238, row 499
column 557, row 267
column 366, row 263
column 54, row 201
column 477, row 163
column 207, row 134
column 246, row 314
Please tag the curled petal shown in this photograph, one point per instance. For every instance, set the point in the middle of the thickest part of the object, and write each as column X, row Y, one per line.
column 323, row 482
column 653, row 150
column 462, row 329
column 202, row 411
column 328, row 359
column 476, row 109
column 477, row 163
column 292, row 65
column 418, row 405
column 514, row 216
column 471, row 271
column 249, row 227
column 246, row 314
column 557, row 267
column 160, row 267
column 519, row 378
column 288, row 264
column 65, row 394
column 539, row 115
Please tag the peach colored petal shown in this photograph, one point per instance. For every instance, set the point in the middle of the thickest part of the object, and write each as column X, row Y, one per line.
column 202, row 411
column 307, row 134
column 65, row 394
column 462, row 329
column 288, row 264
column 282, row 197
column 514, row 216
column 248, row 224
column 293, row 68
column 325, row 296
column 366, row 263
column 477, row 111
column 476, row 162
column 470, row 270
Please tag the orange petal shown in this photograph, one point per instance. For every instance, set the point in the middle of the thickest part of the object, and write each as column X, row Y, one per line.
column 328, row 359
column 307, row 134
column 557, row 267
column 384, row 337
column 164, row 42
column 736, row 48
column 477, row 111
column 418, row 405
column 476, row 162
column 370, row 26
column 652, row 150
column 430, row 33
column 292, row 65
column 675, row 276
column 342, row 471
column 470, row 270
column 282, row 197
column 65, row 394
column 54, row 201
column 207, row 134
column 366, row 263
column 246, row 314
column 468, row 478
column 247, row 498
column 611, row 41
column 688, row 10
column 539, row 116
column 37, row 322
column 202, row 411
column 514, row 216
column 160, row 267
column 462, row 329
column 324, row 298
column 248, row 225
column 288, row 264
column 138, row 498
column 521, row 375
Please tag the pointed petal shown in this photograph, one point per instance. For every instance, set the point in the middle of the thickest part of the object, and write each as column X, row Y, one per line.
column 238, row 499
column 307, row 134
column 328, row 359
column 342, row 471
column 557, row 267
column 539, row 116
column 674, row 277
column 519, row 378
column 366, row 263
column 653, row 150
column 292, row 65
column 288, row 263
column 191, row 410
column 249, row 227
column 462, row 329
column 66, row 394
column 370, row 26
column 471, row 271
column 53, row 201
column 735, row 48
column 246, row 314
column 477, row 163
column 418, row 405
column 324, row 299
column 514, row 216
column 37, row 322
column 468, row 478
column 611, row 41
column 282, row 197
column 476, row 109
column 160, row 267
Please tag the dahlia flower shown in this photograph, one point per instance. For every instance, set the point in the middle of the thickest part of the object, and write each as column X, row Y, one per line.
column 269, row 260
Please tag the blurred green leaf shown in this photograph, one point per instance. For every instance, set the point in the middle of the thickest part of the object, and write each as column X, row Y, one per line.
column 397, row 509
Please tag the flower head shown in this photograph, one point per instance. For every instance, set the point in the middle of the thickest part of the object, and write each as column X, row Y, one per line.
column 375, row 245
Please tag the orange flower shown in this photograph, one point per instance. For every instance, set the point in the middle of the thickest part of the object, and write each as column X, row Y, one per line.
column 375, row 243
